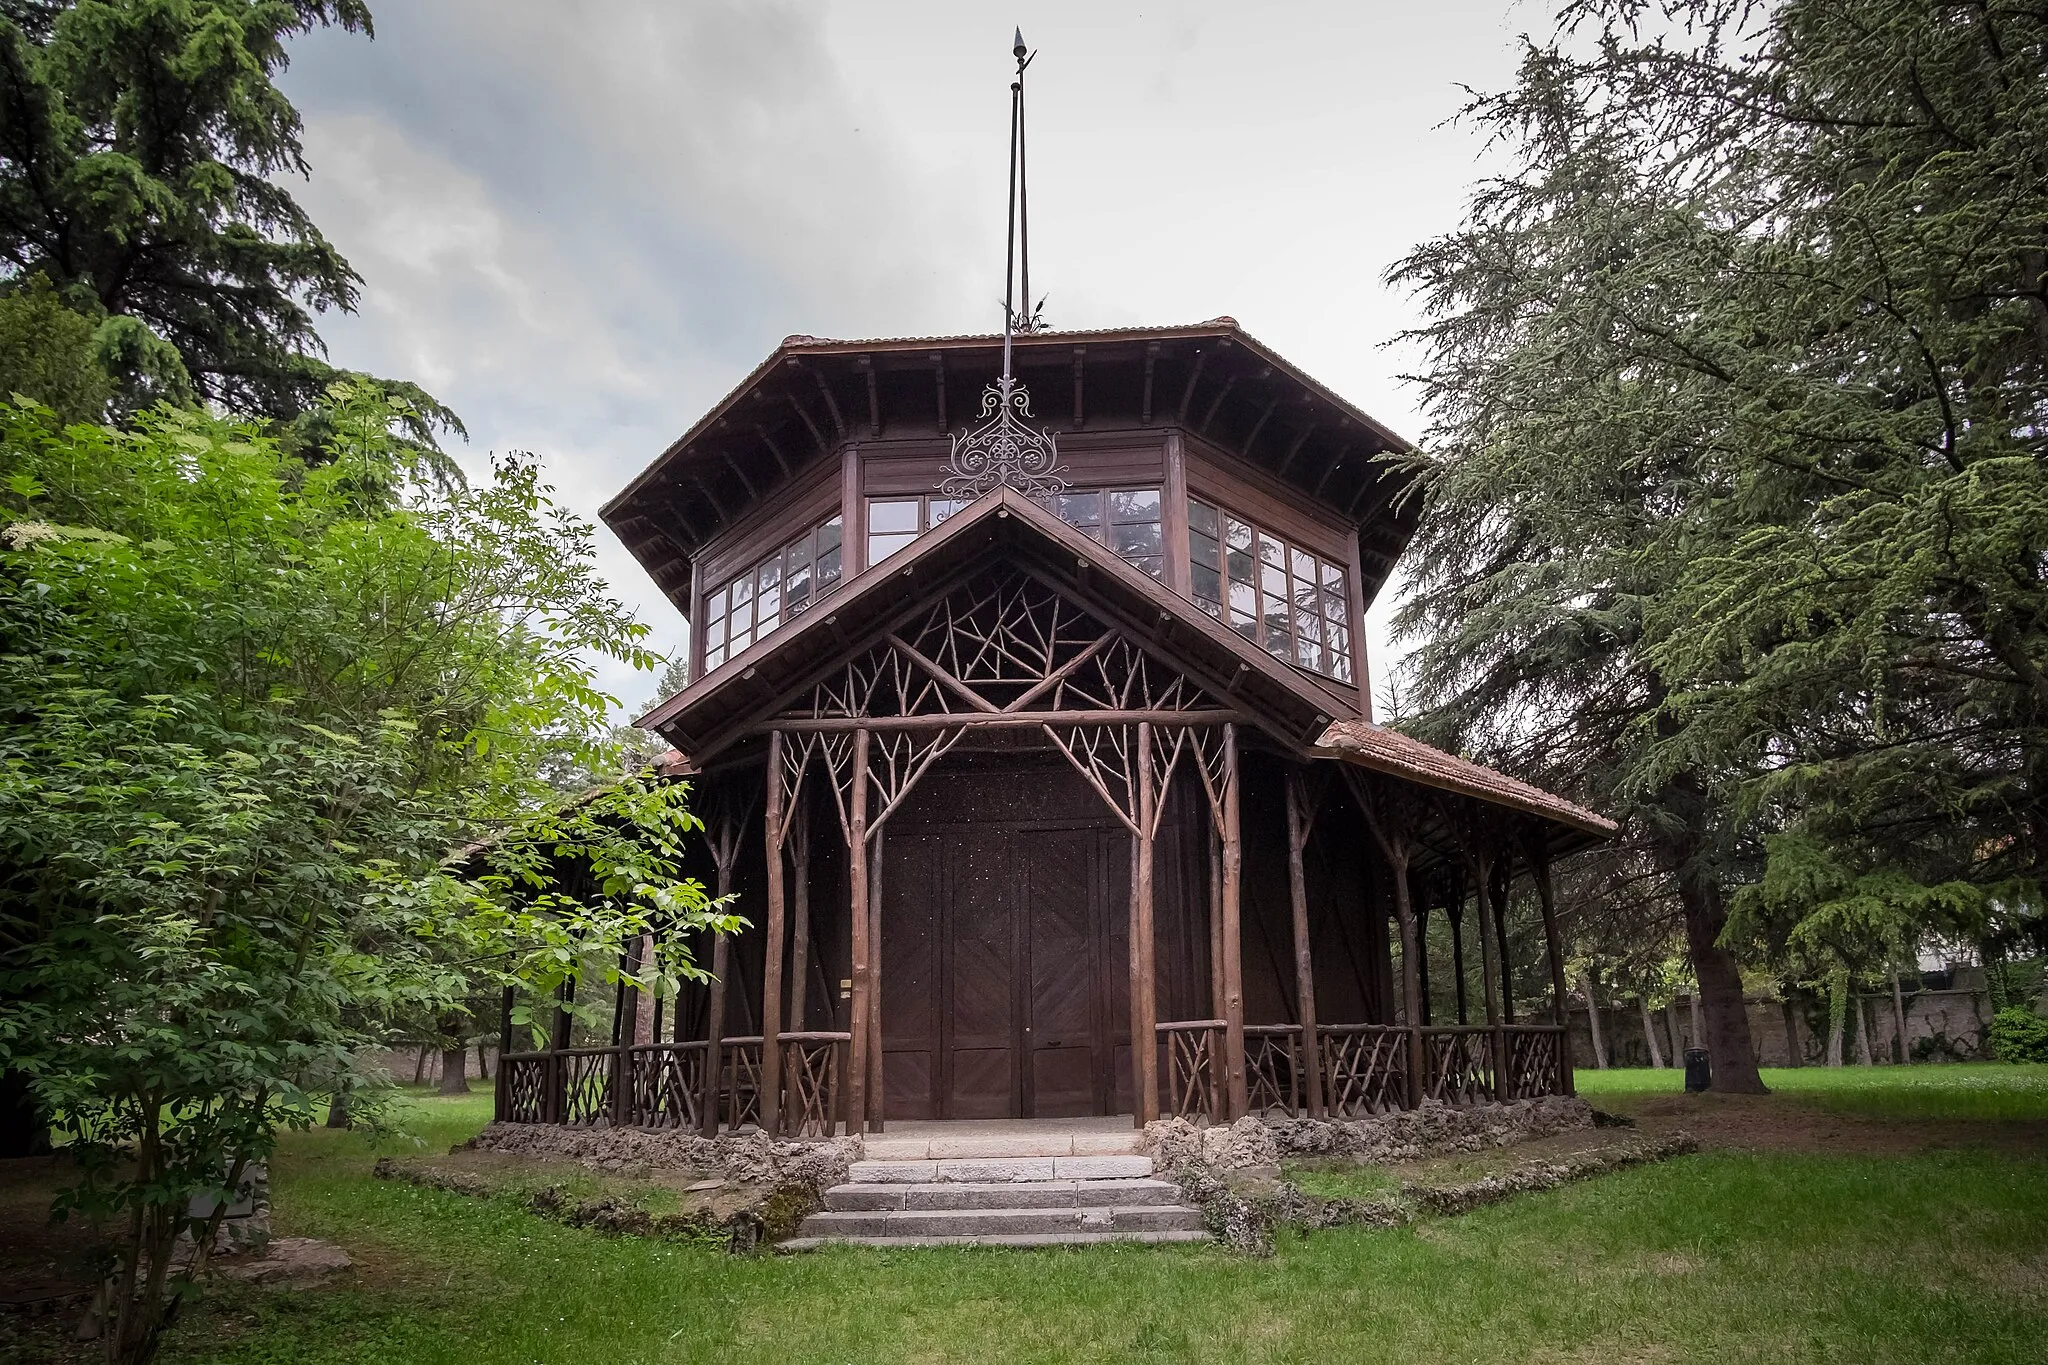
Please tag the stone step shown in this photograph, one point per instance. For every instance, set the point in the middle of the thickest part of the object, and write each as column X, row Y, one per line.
column 1018, row 1194
column 1005, row 1169
column 1057, row 1142
column 999, row 1222
column 1016, row 1240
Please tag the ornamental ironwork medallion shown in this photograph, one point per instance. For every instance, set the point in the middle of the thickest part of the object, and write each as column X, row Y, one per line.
column 1005, row 450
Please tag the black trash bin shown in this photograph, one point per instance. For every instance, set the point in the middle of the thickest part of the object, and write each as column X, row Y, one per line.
column 1699, row 1070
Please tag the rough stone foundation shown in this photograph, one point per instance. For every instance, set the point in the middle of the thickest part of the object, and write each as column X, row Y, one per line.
column 1404, row 1135
column 750, row 1157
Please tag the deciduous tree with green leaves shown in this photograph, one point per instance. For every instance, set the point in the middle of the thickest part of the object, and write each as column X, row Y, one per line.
column 247, row 707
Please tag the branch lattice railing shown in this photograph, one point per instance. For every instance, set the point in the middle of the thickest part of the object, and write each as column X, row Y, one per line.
column 1272, row 1068
column 667, row 1080
column 811, row 1066
column 1458, row 1064
column 1193, row 1073
column 1535, row 1061
column 1365, row 1068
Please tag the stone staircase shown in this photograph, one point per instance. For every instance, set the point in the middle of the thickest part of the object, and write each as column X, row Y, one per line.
column 1000, row 1198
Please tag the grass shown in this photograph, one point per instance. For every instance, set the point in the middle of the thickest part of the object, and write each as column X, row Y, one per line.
column 1712, row 1257
column 1956, row 1090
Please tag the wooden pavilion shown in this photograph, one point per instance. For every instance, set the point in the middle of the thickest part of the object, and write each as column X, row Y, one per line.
column 1059, row 796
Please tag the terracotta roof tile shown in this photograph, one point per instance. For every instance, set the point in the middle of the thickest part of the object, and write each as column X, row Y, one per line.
column 1389, row 751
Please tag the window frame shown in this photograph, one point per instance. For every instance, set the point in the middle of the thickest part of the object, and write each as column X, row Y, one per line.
column 722, row 603
column 1305, row 622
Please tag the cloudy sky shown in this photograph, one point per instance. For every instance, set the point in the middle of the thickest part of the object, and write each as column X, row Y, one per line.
column 582, row 221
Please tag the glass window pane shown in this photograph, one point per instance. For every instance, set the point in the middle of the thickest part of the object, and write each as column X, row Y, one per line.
column 881, row 547
column 1202, row 518
column 714, row 657
column 1335, row 607
column 1239, row 536
column 894, row 515
column 1308, row 654
column 1137, row 538
column 1152, row 564
column 796, row 589
column 1276, row 627
column 828, row 566
column 943, row 508
column 828, row 536
column 740, row 640
column 1339, row 638
column 1134, row 504
column 1304, row 566
column 1333, row 577
column 1272, row 553
column 742, row 594
column 1244, row 603
column 1079, row 509
column 714, row 632
column 1203, row 550
column 1340, row 668
column 768, row 599
column 1273, row 578
column 714, row 605
column 1207, row 584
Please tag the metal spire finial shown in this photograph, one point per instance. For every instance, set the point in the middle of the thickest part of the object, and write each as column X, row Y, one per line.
column 1004, row 450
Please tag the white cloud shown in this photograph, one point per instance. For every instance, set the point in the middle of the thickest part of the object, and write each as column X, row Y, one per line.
column 581, row 223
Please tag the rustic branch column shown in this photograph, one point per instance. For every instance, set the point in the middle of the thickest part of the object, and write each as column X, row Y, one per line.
column 1553, row 950
column 1396, row 849
column 1233, row 940
column 1499, row 883
column 1454, row 911
column 1489, row 968
column 773, row 827
column 1299, row 819
column 1144, row 983
column 875, row 1092
column 800, row 935
column 857, row 911
column 724, row 853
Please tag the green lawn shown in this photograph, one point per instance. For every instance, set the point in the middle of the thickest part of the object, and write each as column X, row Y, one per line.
column 1714, row 1257
column 1958, row 1090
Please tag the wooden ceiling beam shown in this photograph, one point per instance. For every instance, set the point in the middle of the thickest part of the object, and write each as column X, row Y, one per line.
column 740, row 473
column 773, row 449
column 1329, row 469
column 1209, row 417
column 1259, row 426
column 831, row 401
column 1300, row 440
column 1145, row 404
column 1187, row 394
column 803, row 412
column 867, row 365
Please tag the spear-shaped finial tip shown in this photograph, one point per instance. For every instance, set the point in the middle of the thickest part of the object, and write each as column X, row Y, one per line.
column 1017, row 50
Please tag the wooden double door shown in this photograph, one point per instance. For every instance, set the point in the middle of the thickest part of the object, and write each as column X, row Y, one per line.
column 1004, row 970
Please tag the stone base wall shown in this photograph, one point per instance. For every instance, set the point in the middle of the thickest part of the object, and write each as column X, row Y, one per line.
column 750, row 1157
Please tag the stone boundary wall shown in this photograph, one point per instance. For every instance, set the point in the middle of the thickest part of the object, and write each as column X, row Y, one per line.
column 750, row 1157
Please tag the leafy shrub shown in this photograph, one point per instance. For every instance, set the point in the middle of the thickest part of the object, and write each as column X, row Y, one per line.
column 2017, row 1034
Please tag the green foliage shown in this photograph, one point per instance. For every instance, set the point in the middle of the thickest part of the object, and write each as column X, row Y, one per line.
column 2017, row 1034
column 1738, row 489
column 141, row 165
column 246, row 707
column 50, row 354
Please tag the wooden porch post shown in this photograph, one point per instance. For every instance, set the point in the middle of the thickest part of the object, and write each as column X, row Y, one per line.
column 1454, row 910
column 1499, row 884
column 857, row 910
column 1411, row 968
column 875, row 1094
column 1489, row 968
column 1299, row 818
column 1546, row 895
column 1233, row 941
column 724, row 852
column 800, row 936
column 771, row 969
column 558, row 1040
column 1144, row 985
column 504, row 1046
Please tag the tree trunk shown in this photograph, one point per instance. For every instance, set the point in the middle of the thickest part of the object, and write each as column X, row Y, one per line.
column 1838, row 1013
column 454, row 1069
column 419, row 1069
column 1795, row 1052
column 1899, row 1019
column 1673, row 1034
column 1863, row 1054
column 1720, row 983
column 1593, row 1020
column 1650, row 1034
column 337, row 1108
